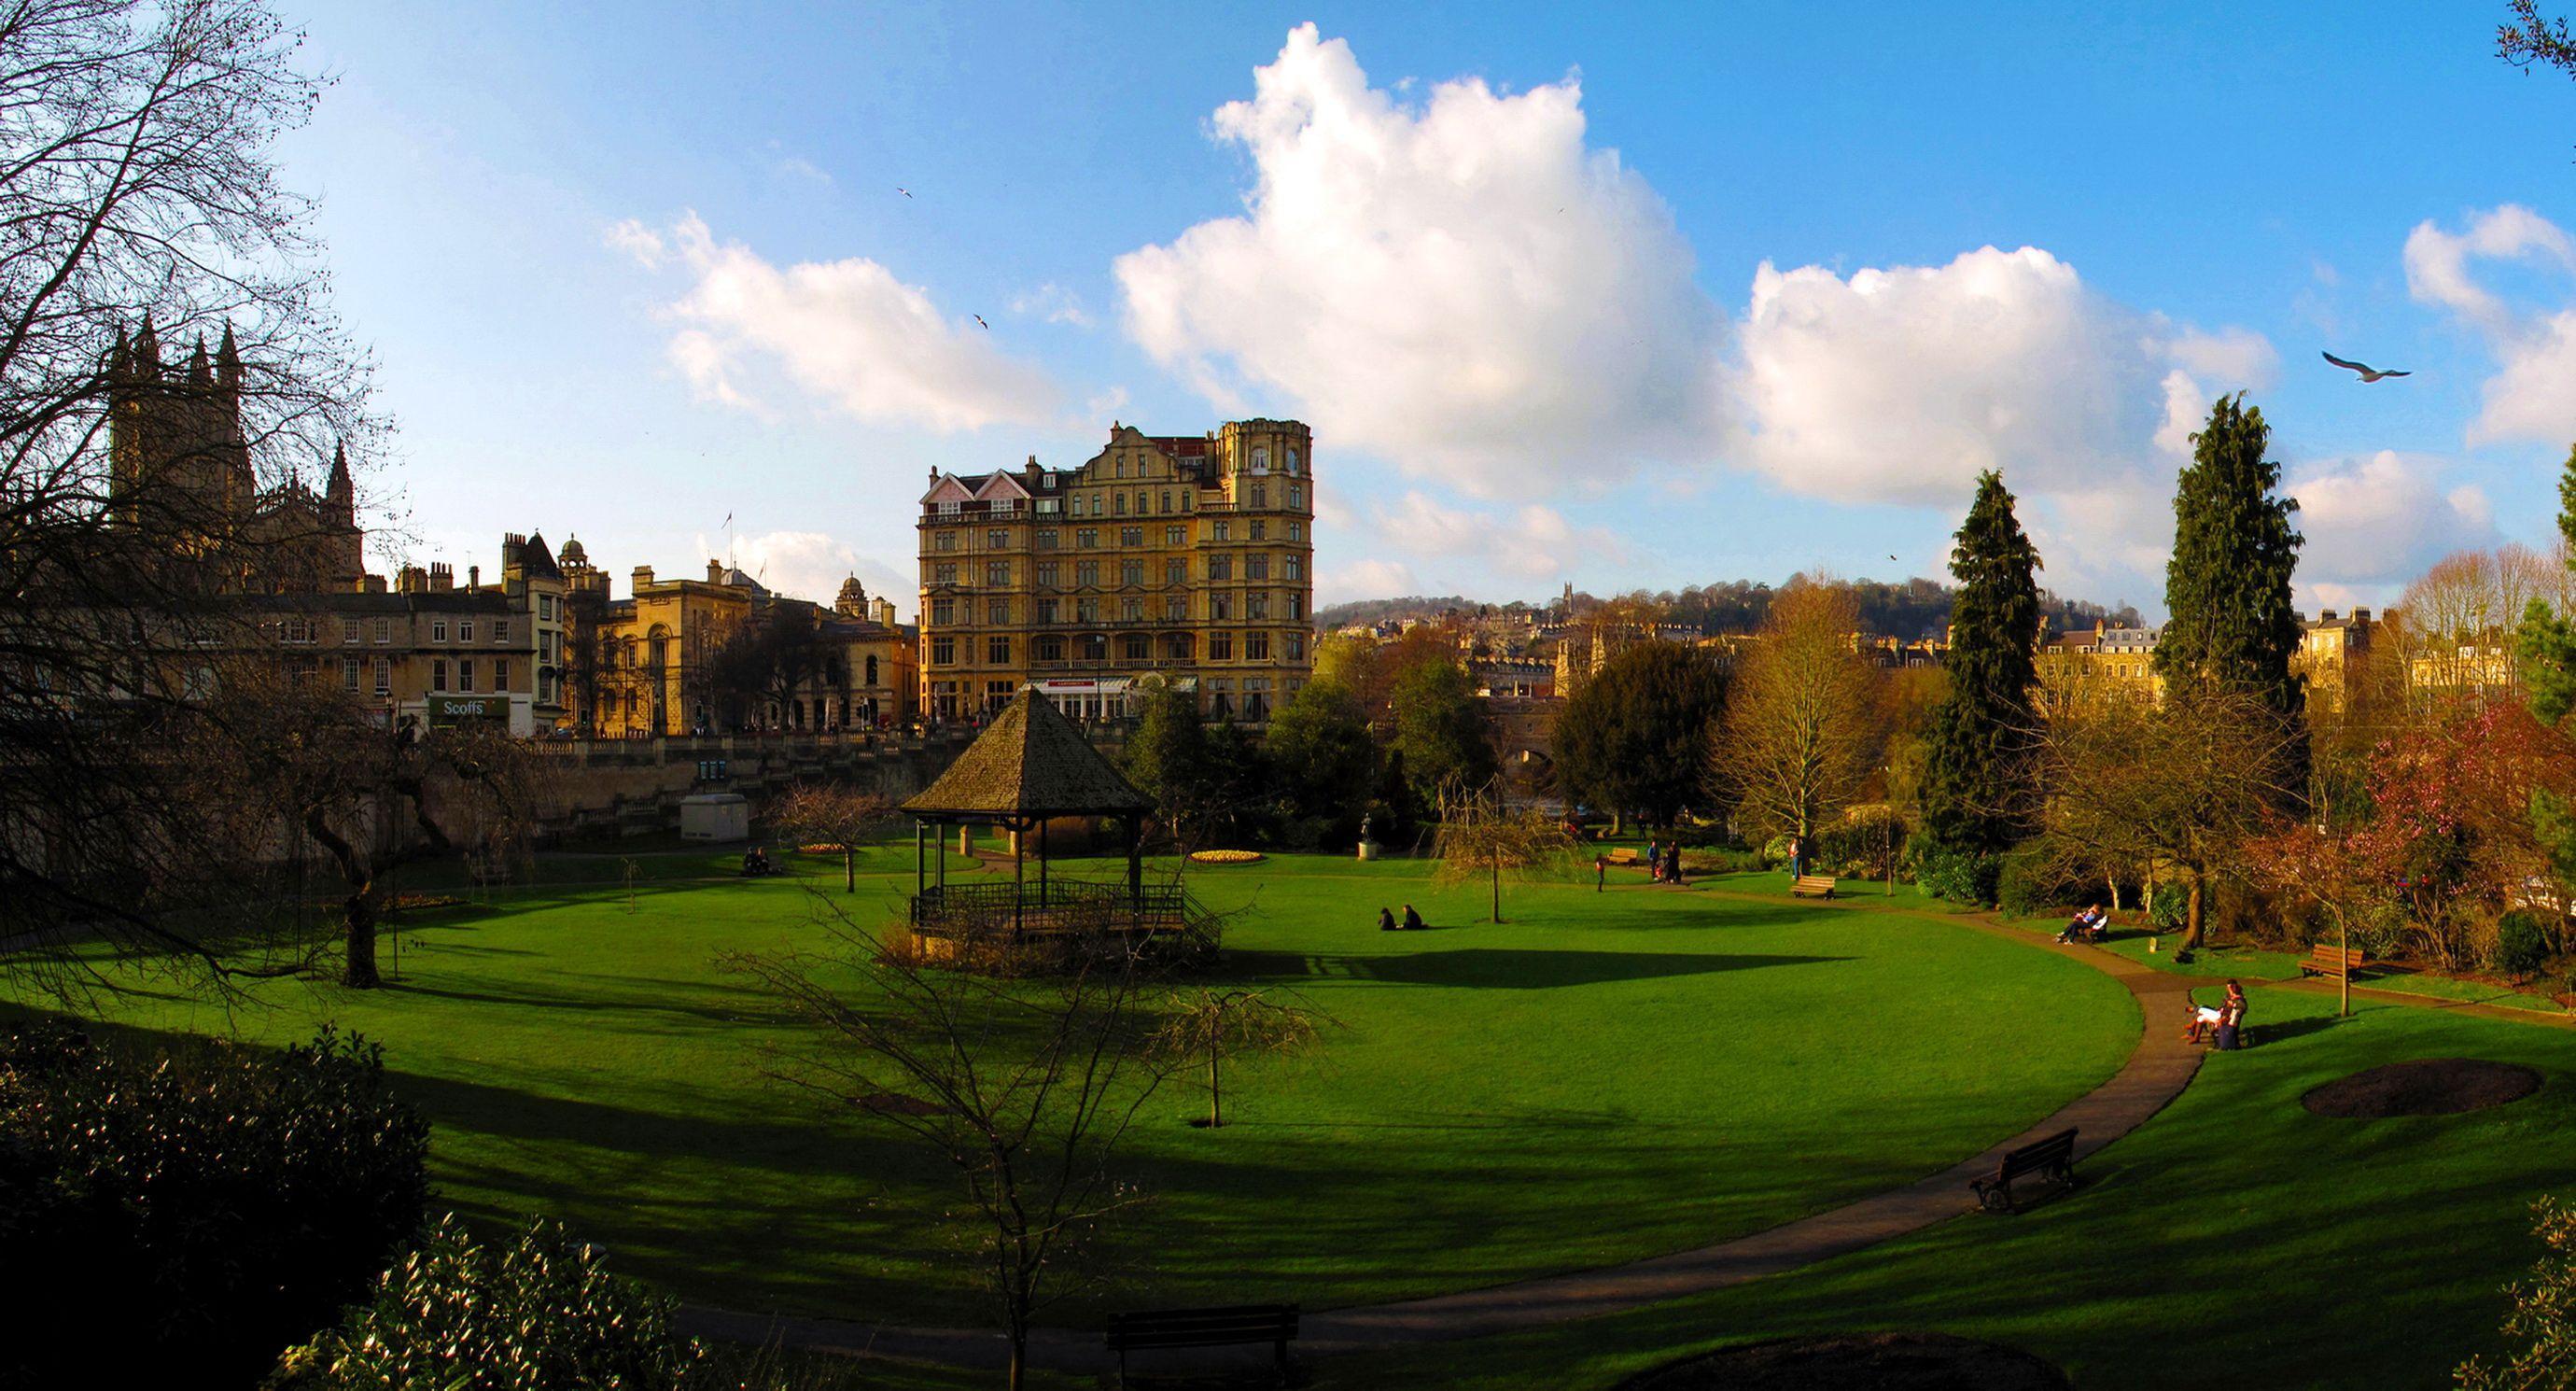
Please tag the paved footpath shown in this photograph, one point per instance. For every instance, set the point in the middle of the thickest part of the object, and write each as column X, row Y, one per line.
column 2154, row 1075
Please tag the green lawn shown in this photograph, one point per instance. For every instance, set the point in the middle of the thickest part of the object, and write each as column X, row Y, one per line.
column 2235, row 1238
column 1607, row 1077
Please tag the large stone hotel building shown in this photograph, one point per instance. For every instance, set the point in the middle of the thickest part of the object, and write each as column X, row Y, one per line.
column 1184, row 559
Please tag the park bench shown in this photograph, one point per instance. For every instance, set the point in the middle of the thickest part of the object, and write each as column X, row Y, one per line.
column 1813, row 886
column 1624, row 855
column 1232, row 1326
column 2052, row 1159
column 2334, row 961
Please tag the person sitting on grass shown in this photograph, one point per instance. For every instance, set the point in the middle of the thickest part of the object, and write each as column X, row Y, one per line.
column 1412, row 920
column 1385, row 921
column 755, row 861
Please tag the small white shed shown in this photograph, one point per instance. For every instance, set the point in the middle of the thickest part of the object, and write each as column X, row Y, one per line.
column 715, row 816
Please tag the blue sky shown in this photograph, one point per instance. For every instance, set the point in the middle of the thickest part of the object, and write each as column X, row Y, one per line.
column 632, row 269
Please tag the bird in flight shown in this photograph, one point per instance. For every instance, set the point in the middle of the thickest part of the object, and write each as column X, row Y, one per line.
column 2368, row 372
column 903, row 190
column 979, row 320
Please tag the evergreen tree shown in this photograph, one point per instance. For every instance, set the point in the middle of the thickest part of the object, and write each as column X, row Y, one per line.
column 1167, row 755
column 1440, row 728
column 1326, row 761
column 2546, row 646
column 1976, row 777
column 1636, row 737
column 2227, row 588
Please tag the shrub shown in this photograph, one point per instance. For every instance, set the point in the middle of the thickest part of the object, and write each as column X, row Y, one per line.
column 2025, row 886
column 1722, row 861
column 2169, row 908
column 2522, row 942
column 532, row 1313
column 1958, row 877
column 192, row 1213
column 1860, row 843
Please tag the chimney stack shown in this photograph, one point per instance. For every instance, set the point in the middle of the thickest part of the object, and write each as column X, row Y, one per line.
column 643, row 577
column 715, row 572
column 442, row 577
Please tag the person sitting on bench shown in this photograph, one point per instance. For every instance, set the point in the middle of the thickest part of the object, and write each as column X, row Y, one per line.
column 1412, row 920
column 2087, row 926
column 1385, row 921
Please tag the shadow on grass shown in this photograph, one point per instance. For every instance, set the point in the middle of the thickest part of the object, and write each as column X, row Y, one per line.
column 1507, row 968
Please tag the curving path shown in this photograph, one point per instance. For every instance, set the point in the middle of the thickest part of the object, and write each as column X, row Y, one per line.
column 2154, row 1075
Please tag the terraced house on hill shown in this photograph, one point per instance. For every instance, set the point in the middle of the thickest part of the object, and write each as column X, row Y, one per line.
column 1185, row 559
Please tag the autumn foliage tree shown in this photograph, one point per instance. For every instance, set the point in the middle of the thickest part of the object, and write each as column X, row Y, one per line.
column 1800, row 735
column 841, row 818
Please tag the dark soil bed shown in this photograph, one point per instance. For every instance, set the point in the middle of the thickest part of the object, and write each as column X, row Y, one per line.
column 2425, row 1087
column 1848, row 1362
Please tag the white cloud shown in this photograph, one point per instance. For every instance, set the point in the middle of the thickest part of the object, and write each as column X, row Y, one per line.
column 1460, row 285
column 1902, row 384
column 812, row 565
column 1365, row 579
column 2529, row 397
column 2380, row 521
column 846, row 333
column 1053, row 303
column 1530, row 542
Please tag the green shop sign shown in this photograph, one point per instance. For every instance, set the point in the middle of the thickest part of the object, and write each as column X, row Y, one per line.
column 462, row 709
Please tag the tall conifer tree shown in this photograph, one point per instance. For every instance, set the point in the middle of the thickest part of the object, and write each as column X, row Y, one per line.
column 2227, row 588
column 2546, row 646
column 1976, row 784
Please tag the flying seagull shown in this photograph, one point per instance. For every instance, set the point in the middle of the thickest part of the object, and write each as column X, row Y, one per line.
column 2368, row 372
column 903, row 190
column 979, row 319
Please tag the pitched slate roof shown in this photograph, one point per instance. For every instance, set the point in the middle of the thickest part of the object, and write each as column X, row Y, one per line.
column 1031, row 761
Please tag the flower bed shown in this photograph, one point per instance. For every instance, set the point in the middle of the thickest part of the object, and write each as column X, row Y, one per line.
column 415, row 903
column 1224, row 857
column 822, row 849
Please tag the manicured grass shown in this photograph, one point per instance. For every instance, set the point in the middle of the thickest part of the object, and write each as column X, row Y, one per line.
column 2234, row 1238
column 1609, row 1076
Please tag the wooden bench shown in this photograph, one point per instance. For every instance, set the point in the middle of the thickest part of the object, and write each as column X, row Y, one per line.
column 2052, row 1159
column 2334, row 961
column 1812, row 886
column 1232, row 1326
column 1624, row 855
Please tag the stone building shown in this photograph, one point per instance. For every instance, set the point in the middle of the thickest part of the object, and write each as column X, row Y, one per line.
column 180, row 475
column 1188, row 560
column 653, row 662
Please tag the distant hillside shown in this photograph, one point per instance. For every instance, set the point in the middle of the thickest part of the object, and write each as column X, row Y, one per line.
column 1908, row 610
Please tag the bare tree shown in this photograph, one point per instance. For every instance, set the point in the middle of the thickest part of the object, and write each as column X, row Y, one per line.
column 2178, row 786
column 1025, row 1082
column 2459, row 619
column 843, row 818
column 140, row 203
column 1481, row 838
column 1205, row 1025
column 303, row 759
column 1802, row 729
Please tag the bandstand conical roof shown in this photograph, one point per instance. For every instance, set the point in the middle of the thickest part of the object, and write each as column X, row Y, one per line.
column 1031, row 761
